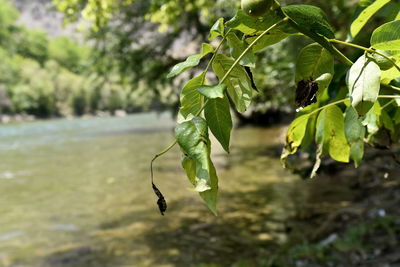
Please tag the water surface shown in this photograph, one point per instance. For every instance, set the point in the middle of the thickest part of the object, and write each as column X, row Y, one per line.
column 77, row 193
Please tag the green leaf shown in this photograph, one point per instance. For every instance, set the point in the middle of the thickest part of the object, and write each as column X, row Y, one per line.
column 363, row 81
column 311, row 18
column 191, row 61
column 371, row 120
column 237, row 82
column 310, row 132
column 317, row 63
column 355, row 133
column 191, row 99
column 218, row 116
column 267, row 40
column 254, row 26
column 388, row 75
column 212, row 91
column 363, row 17
column 237, row 47
column 294, row 137
column 217, row 29
column 330, row 133
column 206, row 49
column 388, row 123
column 387, row 36
column 192, row 137
column 209, row 196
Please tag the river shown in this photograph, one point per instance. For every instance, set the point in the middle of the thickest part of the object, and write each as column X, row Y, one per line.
column 77, row 193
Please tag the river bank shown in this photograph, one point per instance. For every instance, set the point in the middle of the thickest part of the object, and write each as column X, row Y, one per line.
column 20, row 118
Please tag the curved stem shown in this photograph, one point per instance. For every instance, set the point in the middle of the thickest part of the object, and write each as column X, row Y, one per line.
column 370, row 50
column 250, row 46
column 158, row 155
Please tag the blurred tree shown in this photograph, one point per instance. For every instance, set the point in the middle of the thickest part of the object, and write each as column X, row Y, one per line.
column 142, row 40
column 33, row 44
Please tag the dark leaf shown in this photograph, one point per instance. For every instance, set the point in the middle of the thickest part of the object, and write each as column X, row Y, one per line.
column 306, row 93
column 162, row 204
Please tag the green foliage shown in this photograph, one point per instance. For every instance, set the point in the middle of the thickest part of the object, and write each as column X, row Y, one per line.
column 33, row 44
column 387, row 36
column 68, row 53
column 192, row 137
column 237, row 81
column 217, row 113
column 365, row 15
column 190, row 62
column 335, row 132
column 191, row 99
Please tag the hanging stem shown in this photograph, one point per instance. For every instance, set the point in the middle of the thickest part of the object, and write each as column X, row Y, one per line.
column 370, row 50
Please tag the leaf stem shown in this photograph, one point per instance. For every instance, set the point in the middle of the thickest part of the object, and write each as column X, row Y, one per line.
column 215, row 52
column 387, row 104
column 388, row 96
column 344, row 100
column 158, row 155
column 370, row 50
column 327, row 105
column 250, row 46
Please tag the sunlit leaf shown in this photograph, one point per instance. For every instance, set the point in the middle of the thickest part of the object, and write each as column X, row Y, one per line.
column 217, row 29
column 192, row 137
column 218, row 116
column 387, row 36
column 363, row 17
column 212, row 91
column 294, row 137
column 388, row 75
column 237, row 82
column 330, row 133
column 191, row 61
column 209, row 196
column 363, row 81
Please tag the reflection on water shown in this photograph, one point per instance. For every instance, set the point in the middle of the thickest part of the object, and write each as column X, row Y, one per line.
column 77, row 193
